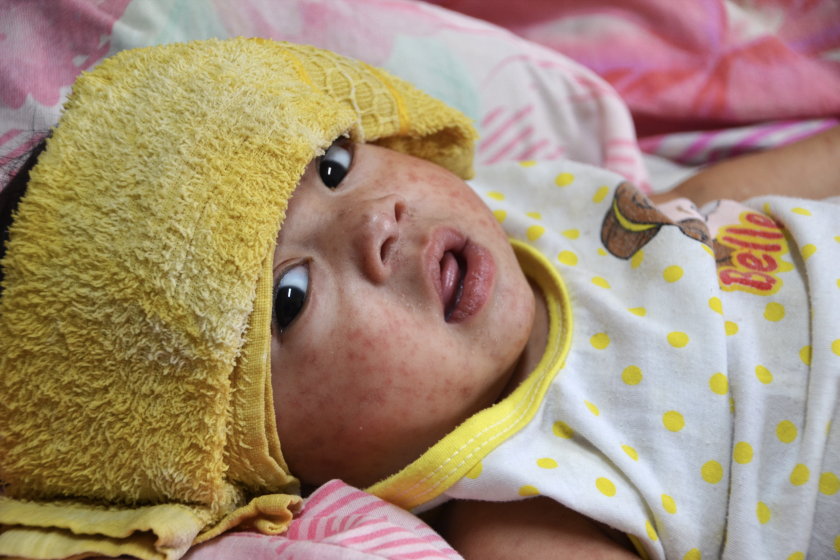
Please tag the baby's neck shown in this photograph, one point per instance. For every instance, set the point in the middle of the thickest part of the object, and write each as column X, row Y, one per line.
column 535, row 347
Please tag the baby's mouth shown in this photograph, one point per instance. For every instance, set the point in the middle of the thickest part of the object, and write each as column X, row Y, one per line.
column 453, row 269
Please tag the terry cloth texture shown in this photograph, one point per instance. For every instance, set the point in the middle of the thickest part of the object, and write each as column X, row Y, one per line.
column 137, row 414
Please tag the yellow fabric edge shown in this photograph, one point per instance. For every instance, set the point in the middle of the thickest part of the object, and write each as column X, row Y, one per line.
column 402, row 111
column 456, row 454
column 59, row 544
column 640, row 549
column 54, row 530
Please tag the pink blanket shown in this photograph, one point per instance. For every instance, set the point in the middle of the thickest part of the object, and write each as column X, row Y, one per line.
column 694, row 64
column 338, row 522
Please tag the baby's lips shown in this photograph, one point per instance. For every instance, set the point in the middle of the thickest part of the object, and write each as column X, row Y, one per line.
column 478, row 282
column 450, row 281
column 443, row 240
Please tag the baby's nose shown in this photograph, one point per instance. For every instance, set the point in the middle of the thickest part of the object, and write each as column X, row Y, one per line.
column 375, row 234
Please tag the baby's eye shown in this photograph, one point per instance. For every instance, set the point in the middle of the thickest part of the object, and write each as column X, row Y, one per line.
column 334, row 165
column 290, row 295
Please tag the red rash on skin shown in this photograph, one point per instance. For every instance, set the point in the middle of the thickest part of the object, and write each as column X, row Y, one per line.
column 370, row 375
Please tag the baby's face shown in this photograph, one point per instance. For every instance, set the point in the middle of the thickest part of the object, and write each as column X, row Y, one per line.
column 400, row 311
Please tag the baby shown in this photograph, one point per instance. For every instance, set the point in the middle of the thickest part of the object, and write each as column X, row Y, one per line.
column 585, row 373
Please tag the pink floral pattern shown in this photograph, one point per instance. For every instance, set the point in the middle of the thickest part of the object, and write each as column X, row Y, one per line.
column 45, row 44
column 694, row 64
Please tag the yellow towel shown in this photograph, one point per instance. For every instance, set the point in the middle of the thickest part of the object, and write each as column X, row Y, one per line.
column 136, row 414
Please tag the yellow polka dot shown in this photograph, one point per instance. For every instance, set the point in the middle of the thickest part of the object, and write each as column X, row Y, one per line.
column 719, row 384
column 796, row 556
column 785, row 266
column 640, row 311
column 837, row 543
column 672, row 273
column 547, row 463
column 606, row 487
column 564, row 179
column 766, row 208
column 534, row 215
column 801, row 211
column 572, row 233
column 475, row 471
column 632, row 375
column 712, row 472
column 669, row 504
column 800, row 475
column 568, row 258
column 630, row 452
column 562, row 430
column 651, row 533
column 763, row 513
column 602, row 252
column 731, row 328
column 786, row 431
column 829, row 483
column 805, row 355
column 500, row 215
column 693, row 554
column 763, row 374
column 528, row 163
column 529, row 490
column 774, row 311
column 535, row 232
column 678, row 339
column 496, row 195
column 592, row 408
column 600, row 194
column 835, row 346
column 743, row 452
column 598, row 281
column 808, row 250
column 838, row 282
column 707, row 249
column 716, row 305
column 673, row 420
column 600, row 340
column 731, row 405
column 637, row 258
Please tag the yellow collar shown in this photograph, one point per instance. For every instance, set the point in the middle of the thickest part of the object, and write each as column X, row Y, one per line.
column 460, row 453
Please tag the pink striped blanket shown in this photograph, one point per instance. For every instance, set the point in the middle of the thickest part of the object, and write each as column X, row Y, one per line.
column 338, row 522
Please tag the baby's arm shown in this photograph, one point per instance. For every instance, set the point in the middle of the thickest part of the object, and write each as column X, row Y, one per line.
column 806, row 169
column 536, row 528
